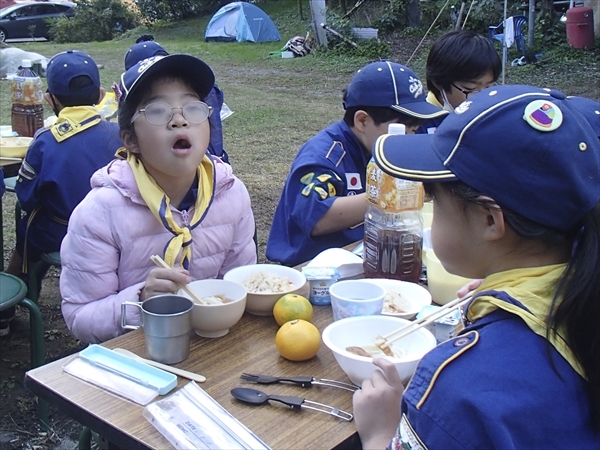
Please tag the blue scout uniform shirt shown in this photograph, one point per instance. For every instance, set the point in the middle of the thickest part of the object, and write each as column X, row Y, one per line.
column 497, row 385
column 215, row 99
column 55, row 176
column 332, row 164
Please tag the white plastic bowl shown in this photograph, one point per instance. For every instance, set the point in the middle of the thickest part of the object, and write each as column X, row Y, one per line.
column 215, row 320
column 261, row 304
column 360, row 331
column 414, row 296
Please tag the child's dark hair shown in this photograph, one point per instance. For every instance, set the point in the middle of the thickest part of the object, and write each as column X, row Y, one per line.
column 460, row 55
column 77, row 83
column 579, row 286
column 380, row 115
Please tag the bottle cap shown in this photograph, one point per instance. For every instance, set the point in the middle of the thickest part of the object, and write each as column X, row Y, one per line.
column 396, row 128
column 26, row 63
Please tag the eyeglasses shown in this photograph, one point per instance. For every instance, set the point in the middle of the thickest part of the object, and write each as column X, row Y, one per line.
column 468, row 92
column 162, row 113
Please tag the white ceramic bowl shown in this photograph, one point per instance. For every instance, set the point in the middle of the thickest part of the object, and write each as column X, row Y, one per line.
column 261, row 304
column 413, row 296
column 361, row 331
column 215, row 320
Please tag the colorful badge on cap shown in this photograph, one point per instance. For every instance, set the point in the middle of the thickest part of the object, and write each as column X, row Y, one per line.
column 543, row 115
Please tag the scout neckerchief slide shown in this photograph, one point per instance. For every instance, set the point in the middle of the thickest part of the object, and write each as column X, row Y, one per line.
column 159, row 202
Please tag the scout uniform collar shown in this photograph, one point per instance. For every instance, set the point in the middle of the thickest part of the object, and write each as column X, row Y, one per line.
column 74, row 119
column 534, row 288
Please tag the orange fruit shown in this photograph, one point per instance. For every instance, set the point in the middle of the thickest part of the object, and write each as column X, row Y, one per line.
column 298, row 340
column 291, row 307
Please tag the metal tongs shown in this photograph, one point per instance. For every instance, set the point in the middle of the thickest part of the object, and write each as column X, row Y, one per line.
column 256, row 397
column 301, row 381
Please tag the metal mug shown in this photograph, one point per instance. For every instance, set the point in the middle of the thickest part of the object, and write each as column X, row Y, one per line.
column 167, row 323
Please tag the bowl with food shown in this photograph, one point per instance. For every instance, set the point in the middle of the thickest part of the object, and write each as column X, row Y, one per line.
column 265, row 284
column 223, row 304
column 353, row 344
column 402, row 298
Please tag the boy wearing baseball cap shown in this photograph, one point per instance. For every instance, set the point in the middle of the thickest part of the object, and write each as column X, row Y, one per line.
column 514, row 174
column 323, row 201
column 55, row 175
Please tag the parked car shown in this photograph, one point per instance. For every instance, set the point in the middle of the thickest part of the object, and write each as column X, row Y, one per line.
column 29, row 20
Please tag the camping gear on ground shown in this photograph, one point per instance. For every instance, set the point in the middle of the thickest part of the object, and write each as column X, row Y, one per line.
column 338, row 34
column 241, row 22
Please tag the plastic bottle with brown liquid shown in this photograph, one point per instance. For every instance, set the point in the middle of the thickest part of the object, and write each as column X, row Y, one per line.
column 393, row 225
column 27, row 113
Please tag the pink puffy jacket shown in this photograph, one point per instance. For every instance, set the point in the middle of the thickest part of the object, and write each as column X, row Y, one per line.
column 105, row 255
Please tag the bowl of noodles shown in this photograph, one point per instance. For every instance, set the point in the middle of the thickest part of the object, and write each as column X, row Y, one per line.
column 361, row 331
column 265, row 284
column 223, row 304
column 402, row 298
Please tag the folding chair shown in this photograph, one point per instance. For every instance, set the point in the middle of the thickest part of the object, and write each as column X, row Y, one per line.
column 497, row 32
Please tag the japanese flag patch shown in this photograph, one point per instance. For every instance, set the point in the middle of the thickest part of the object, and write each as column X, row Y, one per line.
column 353, row 181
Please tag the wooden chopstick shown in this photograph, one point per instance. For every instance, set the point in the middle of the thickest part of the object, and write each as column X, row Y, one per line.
column 423, row 321
column 161, row 263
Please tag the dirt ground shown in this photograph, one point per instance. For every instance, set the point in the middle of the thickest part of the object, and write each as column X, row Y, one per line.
column 18, row 420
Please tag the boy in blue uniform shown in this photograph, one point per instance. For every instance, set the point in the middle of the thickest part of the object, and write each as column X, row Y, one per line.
column 55, row 175
column 459, row 64
column 323, row 202
column 520, row 210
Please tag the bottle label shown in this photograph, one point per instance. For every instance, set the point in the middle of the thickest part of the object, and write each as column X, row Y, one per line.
column 392, row 195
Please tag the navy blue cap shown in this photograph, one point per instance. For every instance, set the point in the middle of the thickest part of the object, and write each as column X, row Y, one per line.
column 195, row 71
column 532, row 150
column 65, row 66
column 391, row 85
column 143, row 50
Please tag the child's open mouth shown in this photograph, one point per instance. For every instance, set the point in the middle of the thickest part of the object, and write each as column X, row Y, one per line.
column 182, row 144
column 182, row 147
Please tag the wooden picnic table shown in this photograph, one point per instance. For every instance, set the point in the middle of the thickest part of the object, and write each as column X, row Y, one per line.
column 249, row 347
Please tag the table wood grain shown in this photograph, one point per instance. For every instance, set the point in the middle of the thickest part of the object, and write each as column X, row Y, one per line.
column 249, row 347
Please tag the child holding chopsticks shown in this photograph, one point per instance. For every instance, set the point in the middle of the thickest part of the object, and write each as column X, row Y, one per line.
column 520, row 210
column 165, row 196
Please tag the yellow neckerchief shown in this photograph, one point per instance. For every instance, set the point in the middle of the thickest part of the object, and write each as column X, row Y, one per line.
column 431, row 98
column 74, row 119
column 158, row 202
column 534, row 288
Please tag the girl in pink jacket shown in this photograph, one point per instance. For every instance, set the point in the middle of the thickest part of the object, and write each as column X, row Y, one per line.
column 164, row 196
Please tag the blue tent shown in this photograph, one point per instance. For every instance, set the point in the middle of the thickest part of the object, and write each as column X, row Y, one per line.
column 241, row 21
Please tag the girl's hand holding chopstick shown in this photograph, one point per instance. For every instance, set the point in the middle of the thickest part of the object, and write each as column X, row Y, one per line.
column 164, row 280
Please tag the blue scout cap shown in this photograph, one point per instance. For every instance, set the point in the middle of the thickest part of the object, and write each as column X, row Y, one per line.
column 391, row 85
column 195, row 71
column 65, row 66
column 532, row 150
column 143, row 50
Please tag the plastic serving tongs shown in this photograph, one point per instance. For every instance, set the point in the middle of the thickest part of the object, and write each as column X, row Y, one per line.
column 256, row 397
column 300, row 381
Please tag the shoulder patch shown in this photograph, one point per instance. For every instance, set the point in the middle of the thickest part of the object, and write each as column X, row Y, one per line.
column 336, row 153
column 443, row 355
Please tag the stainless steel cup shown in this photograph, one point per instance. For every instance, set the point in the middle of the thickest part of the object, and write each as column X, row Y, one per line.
column 167, row 323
